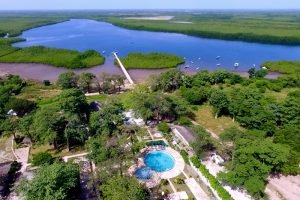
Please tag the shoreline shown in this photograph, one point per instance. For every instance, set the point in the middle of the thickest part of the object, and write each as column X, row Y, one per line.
column 41, row 72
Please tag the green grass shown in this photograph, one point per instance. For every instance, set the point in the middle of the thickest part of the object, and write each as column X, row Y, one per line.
column 100, row 98
column 37, row 92
column 151, row 61
column 284, row 66
column 205, row 117
column 262, row 27
column 56, row 57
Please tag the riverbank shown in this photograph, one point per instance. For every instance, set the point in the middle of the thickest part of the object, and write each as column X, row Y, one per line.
column 41, row 72
column 283, row 66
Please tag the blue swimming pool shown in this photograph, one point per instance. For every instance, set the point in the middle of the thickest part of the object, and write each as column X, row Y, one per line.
column 159, row 161
column 143, row 173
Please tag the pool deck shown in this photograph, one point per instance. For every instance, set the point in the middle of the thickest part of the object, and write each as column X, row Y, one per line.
column 178, row 166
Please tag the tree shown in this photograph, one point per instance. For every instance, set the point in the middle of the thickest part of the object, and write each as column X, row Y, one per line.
column 67, row 80
column 75, row 130
column 48, row 125
column 251, row 73
column 72, row 101
column 253, row 160
column 52, row 182
column 203, row 141
column 219, row 101
column 196, row 95
column 42, row 158
column 168, row 81
column 20, row 106
column 107, row 120
column 290, row 110
column 123, row 188
column 85, row 80
column 290, row 135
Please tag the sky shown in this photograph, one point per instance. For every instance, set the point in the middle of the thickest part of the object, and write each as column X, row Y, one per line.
column 147, row 4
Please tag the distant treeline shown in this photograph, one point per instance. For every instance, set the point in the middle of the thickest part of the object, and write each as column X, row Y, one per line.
column 247, row 37
column 283, row 66
column 151, row 61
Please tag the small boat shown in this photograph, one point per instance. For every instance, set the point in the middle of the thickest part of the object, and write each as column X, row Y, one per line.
column 199, row 58
column 197, row 68
column 218, row 57
column 103, row 51
column 184, row 58
column 187, row 66
column 254, row 65
column 218, row 64
column 192, row 62
column 236, row 64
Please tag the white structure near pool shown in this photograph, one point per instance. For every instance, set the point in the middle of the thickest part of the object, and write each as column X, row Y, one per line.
column 156, row 163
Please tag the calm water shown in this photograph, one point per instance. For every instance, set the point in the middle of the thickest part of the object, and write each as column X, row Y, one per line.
column 159, row 161
column 200, row 53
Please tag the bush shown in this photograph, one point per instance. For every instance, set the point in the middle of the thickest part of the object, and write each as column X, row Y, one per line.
column 178, row 181
column 214, row 183
column 185, row 156
column 42, row 158
column 46, row 82
column 195, row 161
column 163, row 127
column 184, row 121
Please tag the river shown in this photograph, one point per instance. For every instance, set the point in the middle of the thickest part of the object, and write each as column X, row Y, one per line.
column 200, row 53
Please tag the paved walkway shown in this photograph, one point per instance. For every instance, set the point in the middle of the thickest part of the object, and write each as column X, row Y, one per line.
column 22, row 156
column 124, row 69
column 195, row 188
column 65, row 158
column 178, row 167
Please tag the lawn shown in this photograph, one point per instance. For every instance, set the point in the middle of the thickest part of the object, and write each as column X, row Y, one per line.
column 35, row 91
column 204, row 116
column 100, row 98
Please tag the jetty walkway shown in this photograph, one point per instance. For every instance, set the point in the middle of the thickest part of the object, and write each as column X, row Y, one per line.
column 123, row 69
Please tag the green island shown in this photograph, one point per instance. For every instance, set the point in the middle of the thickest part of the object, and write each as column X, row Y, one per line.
column 151, row 61
column 283, row 66
column 14, row 26
column 52, row 56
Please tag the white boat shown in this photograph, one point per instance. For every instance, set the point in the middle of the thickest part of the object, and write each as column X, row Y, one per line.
column 218, row 64
column 192, row 62
column 197, row 68
column 199, row 58
column 187, row 66
column 236, row 64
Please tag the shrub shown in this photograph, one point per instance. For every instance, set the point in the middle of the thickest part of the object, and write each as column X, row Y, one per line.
column 46, row 82
column 163, row 127
column 42, row 158
column 185, row 156
column 184, row 121
column 178, row 181
column 214, row 183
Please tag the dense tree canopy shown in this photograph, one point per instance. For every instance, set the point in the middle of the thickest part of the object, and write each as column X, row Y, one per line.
column 123, row 188
column 52, row 182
